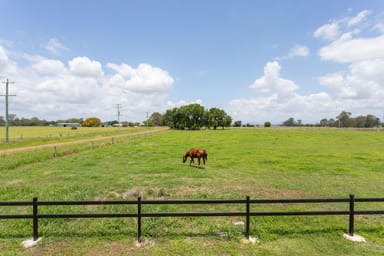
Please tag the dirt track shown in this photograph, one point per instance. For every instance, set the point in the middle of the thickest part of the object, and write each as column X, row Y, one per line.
column 51, row 145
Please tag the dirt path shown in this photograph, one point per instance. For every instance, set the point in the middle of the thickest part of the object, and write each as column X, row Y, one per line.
column 51, row 145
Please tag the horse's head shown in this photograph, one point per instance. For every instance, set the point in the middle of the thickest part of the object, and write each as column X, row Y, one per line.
column 185, row 157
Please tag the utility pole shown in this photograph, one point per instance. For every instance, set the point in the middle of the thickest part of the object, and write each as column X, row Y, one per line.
column 6, row 109
column 118, row 106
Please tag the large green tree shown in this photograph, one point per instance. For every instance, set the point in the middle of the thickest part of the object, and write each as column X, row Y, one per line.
column 194, row 116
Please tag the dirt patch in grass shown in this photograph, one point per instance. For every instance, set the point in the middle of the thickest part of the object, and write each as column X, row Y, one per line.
column 119, row 248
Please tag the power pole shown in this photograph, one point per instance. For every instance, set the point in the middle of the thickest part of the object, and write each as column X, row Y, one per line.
column 6, row 109
column 118, row 106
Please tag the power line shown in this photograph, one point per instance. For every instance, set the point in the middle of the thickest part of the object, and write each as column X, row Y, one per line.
column 6, row 108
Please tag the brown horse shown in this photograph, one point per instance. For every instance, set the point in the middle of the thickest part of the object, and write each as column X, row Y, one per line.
column 196, row 153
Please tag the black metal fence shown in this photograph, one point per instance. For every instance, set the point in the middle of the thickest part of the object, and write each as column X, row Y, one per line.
column 139, row 214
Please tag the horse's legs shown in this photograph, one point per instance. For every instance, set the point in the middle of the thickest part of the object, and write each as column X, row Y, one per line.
column 192, row 161
column 199, row 160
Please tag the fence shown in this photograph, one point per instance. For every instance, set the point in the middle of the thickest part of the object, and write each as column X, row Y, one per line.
column 139, row 214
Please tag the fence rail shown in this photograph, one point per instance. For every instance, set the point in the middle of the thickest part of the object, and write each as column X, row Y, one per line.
column 139, row 214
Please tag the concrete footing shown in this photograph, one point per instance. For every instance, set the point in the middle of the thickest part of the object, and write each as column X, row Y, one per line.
column 354, row 238
column 250, row 240
column 30, row 243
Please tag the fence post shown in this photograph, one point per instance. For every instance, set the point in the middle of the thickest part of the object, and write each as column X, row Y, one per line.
column 351, row 214
column 247, row 218
column 54, row 152
column 35, row 220
column 139, row 220
column 113, row 141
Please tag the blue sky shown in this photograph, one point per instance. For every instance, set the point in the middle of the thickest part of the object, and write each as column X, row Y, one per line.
column 258, row 60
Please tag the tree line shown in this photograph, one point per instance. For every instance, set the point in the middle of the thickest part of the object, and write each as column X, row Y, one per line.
column 343, row 120
column 195, row 116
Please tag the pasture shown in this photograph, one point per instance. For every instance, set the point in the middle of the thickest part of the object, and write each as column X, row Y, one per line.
column 261, row 163
column 20, row 136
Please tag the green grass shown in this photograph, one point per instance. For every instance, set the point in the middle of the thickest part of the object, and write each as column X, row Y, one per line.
column 261, row 163
column 20, row 136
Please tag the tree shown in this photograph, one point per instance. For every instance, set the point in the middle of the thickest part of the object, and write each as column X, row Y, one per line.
column 218, row 118
column 92, row 122
column 194, row 116
column 237, row 124
column 359, row 121
column 324, row 122
column 215, row 117
column 157, row 119
column 372, row 121
column 267, row 124
column 289, row 122
column 344, row 119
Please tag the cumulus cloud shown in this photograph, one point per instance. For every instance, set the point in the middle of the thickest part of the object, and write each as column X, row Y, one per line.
column 348, row 44
column 47, row 66
column 363, row 53
column 360, row 17
column 3, row 58
column 171, row 104
column 143, row 79
column 334, row 28
column 84, row 67
column 298, row 50
column 348, row 49
column 272, row 82
column 54, row 46
column 356, row 43
column 328, row 31
column 53, row 90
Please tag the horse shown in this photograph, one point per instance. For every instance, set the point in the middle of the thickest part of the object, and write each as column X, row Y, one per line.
column 196, row 153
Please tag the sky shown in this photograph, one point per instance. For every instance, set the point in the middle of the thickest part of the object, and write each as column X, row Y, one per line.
column 257, row 60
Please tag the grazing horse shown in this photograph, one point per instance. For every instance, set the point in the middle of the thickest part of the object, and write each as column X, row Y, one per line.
column 196, row 153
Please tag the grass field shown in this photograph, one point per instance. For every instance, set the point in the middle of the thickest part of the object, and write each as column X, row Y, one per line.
column 261, row 163
column 20, row 136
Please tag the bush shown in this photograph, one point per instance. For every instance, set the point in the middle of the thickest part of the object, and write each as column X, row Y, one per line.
column 92, row 122
column 267, row 124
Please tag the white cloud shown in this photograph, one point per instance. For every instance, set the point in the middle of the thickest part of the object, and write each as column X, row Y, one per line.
column 54, row 46
column 298, row 50
column 272, row 82
column 360, row 17
column 143, row 79
column 333, row 30
column 328, row 31
column 3, row 59
column 347, row 49
column 46, row 66
column 84, row 67
column 53, row 90
column 364, row 80
column 171, row 104
column 280, row 101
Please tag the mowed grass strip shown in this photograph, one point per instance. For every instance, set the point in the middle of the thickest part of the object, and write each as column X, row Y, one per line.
column 21, row 136
column 261, row 163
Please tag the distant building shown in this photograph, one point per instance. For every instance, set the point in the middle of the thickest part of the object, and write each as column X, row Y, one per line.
column 68, row 124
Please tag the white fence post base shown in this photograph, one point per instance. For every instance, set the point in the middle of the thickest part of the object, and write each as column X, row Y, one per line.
column 30, row 243
column 251, row 240
column 354, row 238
